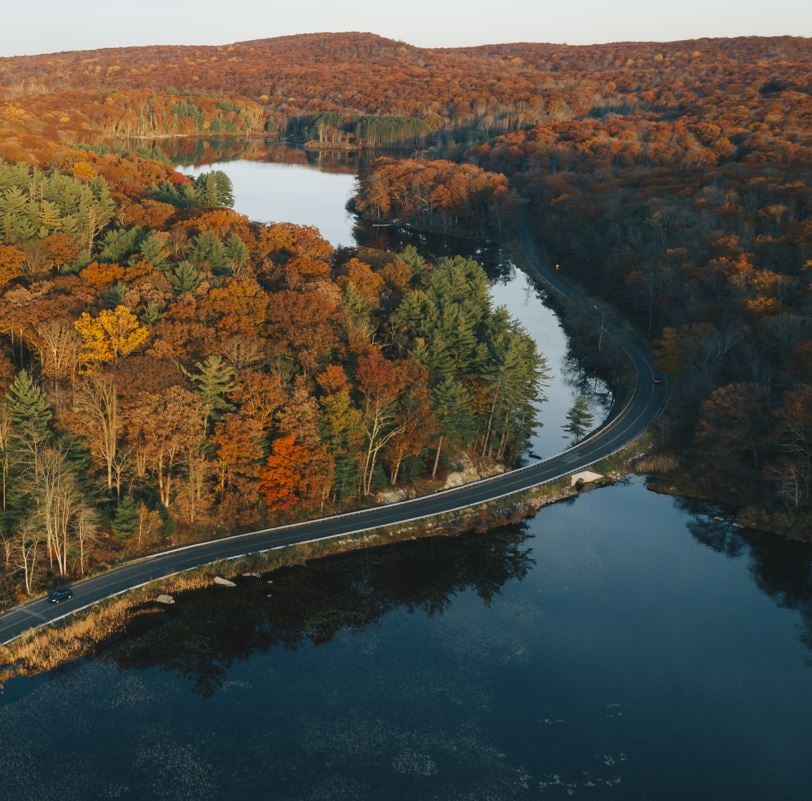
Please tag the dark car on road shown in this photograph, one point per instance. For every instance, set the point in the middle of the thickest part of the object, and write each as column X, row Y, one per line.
column 61, row 594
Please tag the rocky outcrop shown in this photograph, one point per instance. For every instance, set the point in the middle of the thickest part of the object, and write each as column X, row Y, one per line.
column 469, row 472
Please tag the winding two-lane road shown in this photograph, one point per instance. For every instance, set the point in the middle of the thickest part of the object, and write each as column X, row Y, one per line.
column 641, row 410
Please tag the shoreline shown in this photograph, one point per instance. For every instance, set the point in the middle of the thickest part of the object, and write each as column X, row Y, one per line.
column 677, row 485
column 516, row 505
column 675, row 480
column 79, row 634
column 423, row 489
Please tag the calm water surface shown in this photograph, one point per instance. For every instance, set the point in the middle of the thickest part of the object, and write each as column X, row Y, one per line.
column 621, row 646
column 274, row 192
column 625, row 645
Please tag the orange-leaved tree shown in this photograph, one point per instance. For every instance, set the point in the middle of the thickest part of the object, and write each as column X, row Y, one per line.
column 295, row 475
column 12, row 260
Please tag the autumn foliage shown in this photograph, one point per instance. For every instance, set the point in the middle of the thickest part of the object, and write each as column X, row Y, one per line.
column 112, row 334
column 197, row 369
column 434, row 194
column 166, row 364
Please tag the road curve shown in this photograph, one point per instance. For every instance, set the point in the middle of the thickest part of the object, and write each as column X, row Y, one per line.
column 627, row 423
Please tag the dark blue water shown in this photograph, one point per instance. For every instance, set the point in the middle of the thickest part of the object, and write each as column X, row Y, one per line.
column 621, row 646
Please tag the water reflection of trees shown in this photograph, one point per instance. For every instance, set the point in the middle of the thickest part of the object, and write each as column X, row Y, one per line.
column 196, row 150
column 209, row 630
column 593, row 388
column 780, row 568
column 491, row 255
column 190, row 150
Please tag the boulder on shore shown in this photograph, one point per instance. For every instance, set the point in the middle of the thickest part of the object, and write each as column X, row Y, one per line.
column 166, row 600
column 223, row 582
column 392, row 496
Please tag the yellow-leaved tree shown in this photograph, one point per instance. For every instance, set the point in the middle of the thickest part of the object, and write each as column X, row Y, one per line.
column 111, row 334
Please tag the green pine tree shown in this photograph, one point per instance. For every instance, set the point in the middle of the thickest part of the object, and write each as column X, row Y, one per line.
column 114, row 295
column 214, row 189
column 579, row 419
column 208, row 252
column 410, row 255
column 356, row 304
column 151, row 313
column 512, row 374
column 153, row 249
column 236, row 252
column 452, row 406
column 125, row 520
column 461, row 283
column 213, row 380
column 184, row 278
column 29, row 412
column 345, row 478
column 118, row 245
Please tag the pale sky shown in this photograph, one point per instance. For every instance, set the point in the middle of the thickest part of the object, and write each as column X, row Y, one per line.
column 42, row 26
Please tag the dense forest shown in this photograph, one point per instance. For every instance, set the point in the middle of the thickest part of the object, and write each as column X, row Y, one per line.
column 166, row 363
column 699, row 232
column 363, row 88
column 434, row 195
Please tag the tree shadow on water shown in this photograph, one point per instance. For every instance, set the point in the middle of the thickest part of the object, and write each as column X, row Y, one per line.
column 210, row 629
column 780, row 568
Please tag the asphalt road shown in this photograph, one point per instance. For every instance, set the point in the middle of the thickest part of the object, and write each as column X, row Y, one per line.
column 641, row 410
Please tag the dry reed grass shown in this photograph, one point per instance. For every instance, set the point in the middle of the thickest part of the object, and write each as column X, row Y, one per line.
column 656, row 463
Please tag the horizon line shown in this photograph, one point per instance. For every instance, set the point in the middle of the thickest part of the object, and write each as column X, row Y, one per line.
column 403, row 42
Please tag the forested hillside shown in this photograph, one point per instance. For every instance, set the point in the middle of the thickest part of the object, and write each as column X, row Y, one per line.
column 360, row 87
column 698, row 228
column 165, row 362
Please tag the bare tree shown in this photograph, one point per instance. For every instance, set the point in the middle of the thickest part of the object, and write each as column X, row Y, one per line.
column 121, row 464
column 57, row 501
column 5, row 441
column 97, row 404
column 7, row 544
column 57, row 344
column 86, row 526
column 149, row 522
column 162, row 431
column 27, row 542
column 242, row 352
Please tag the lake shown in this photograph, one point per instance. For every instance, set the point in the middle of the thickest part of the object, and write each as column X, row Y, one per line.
column 622, row 645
